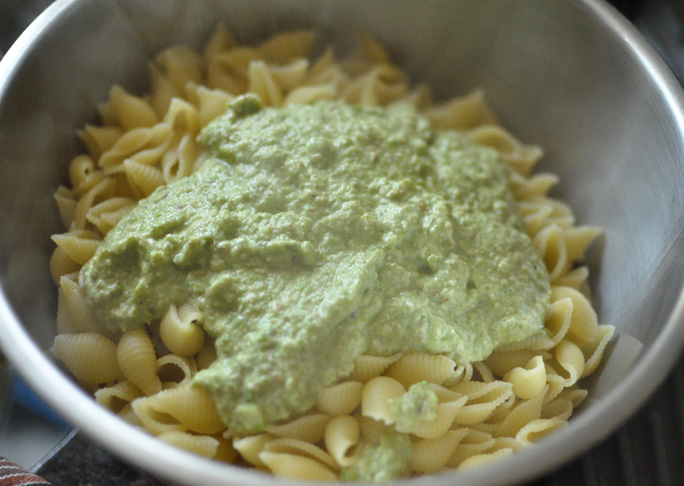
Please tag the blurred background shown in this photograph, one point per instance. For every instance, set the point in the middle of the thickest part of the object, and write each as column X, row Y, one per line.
column 647, row 450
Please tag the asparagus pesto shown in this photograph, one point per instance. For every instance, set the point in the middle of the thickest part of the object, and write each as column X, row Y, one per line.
column 315, row 233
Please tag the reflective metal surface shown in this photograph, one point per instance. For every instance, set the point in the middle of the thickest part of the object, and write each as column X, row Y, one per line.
column 572, row 76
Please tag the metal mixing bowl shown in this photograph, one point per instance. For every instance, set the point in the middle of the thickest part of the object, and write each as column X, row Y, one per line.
column 570, row 75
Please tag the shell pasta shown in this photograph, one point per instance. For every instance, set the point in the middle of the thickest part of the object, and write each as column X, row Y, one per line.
column 480, row 411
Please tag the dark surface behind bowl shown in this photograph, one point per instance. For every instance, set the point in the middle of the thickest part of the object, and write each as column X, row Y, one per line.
column 555, row 75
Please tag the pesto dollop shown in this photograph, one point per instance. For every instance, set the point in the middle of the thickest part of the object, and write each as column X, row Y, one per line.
column 418, row 404
column 315, row 233
column 383, row 459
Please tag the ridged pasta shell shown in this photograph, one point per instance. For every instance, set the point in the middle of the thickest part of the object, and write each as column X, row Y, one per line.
column 375, row 398
column 137, row 361
column 90, row 357
column 413, row 367
column 309, row 428
column 431, row 455
column 340, row 399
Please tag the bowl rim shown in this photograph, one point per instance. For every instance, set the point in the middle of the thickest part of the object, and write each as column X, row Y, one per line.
column 138, row 448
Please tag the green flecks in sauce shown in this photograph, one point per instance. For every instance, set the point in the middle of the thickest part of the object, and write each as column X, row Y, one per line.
column 382, row 460
column 316, row 233
column 418, row 404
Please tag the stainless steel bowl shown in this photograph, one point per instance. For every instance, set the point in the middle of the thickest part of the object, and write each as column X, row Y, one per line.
column 571, row 75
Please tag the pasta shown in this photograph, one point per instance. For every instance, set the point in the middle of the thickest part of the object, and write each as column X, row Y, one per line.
column 482, row 411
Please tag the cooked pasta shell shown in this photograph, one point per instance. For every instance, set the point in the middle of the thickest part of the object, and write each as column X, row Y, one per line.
column 251, row 446
column 180, row 330
column 90, row 357
column 537, row 429
column 99, row 139
column 342, row 435
column 571, row 359
column 520, row 157
column 61, row 264
column 431, row 455
column 203, row 445
column 375, row 398
column 529, row 381
column 301, row 448
column 77, row 309
column 461, row 113
column 131, row 111
column 445, row 415
column 262, row 83
column 191, row 406
column 137, row 361
column 368, row 367
column 293, row 466
column 117, row 396
column 594, row 350
column 154, row 420
column 309, row 428
column 485, row 458
column 523, row 413
column 340, row 399
column 413, row 367
column 79, row 245
column 475, row 442
column 286, row 46
column 583, row 323
column 176, row 369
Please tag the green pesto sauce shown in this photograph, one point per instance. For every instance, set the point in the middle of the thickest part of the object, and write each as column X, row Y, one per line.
column 316, row 233
column 382, row 460
column 418, row 404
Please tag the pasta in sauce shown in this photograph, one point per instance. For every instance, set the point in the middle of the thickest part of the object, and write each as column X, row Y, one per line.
column 485, row 410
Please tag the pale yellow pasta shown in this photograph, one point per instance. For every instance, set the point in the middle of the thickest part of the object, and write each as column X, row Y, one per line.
column 483, row 398
column 131, row 111
column 550, row 243
column 559, row 408
column 76, row 309
column 206, row 355
column 190, row 406
column 203, row 445
column 583, row 321
column 146, row 144
column 182, row 117
column 180, row 330
column 342, row 435
column 524, row 412
column 117, row 396
column 61, row 264
column 80, row 168
column 575, row 278
column 413, row 367
column 536, row 185
column 261, row 82
column 475, row 442
column 173, row 370
column 181, row 65
column 137, row 361
column 103, row 190
column 66, row 204
column 309, row 428
column 485, row 458
column 99, row 139
column 340, row 399
column 462, row 113
column 559, row 318
column 529, row 381
column 537, row 429
column 445, row 416
column 251, row 446
column 293, row 466
column 375, row 398
column 79, row 245
column 179, row 161
column 571, row 359
column 154, row 420
column 90, row 357
column 301, row 448
column 431, row 455
column 105, row 215
column 522, row 158
column 368, row 367
column 143, row 178
column 594, row 350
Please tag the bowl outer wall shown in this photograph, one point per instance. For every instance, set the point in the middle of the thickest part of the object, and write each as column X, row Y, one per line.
column 663, row 108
